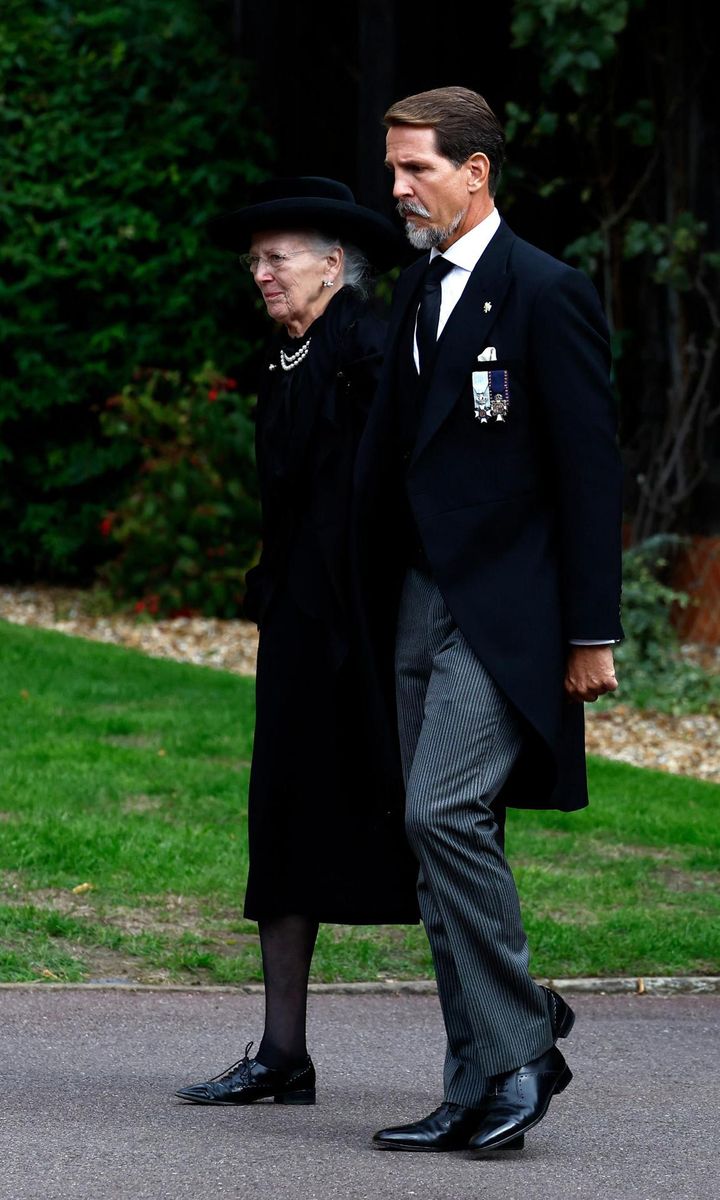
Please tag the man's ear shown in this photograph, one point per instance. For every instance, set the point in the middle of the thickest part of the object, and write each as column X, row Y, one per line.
column 478, row 171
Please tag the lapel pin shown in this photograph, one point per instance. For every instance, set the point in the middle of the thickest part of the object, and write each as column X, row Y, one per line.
column 487, row 306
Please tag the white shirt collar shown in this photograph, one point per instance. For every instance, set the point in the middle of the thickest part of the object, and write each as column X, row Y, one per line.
column 466, row 251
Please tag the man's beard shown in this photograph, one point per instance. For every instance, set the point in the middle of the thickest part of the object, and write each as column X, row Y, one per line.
column 430, row 235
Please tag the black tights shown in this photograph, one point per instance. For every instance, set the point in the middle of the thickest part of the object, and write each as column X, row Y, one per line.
column 287, row 945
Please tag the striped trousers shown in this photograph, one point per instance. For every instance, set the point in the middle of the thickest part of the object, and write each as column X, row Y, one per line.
column 459, row 738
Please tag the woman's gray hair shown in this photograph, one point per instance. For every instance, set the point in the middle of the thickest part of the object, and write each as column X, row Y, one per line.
column 357, row 272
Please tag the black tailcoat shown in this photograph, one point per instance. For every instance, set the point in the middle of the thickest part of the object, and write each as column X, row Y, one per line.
column 520, row 518
column 325, row 808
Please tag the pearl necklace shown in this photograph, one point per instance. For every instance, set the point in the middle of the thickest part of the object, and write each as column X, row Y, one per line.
column 288, row 362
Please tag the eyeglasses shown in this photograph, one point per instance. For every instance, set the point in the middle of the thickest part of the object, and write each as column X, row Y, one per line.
column 276, row 262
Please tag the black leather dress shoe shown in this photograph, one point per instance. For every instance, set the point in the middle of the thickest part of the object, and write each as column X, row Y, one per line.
column 248, row 1080
column 449, row 1127
column 562, row 1017
column 517, row 1100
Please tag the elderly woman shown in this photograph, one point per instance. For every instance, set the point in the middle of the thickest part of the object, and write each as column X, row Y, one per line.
column 325, row 810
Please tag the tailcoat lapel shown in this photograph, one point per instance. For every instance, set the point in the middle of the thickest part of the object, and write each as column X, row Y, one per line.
column 467, row 333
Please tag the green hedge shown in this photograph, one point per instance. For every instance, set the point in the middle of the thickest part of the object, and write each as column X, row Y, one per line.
column 189, row 527
column 124, row 127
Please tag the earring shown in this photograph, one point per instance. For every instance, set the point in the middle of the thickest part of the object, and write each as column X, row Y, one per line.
column 328, row 282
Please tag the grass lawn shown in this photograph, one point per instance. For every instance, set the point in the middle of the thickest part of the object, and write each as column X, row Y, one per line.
column 130, row 774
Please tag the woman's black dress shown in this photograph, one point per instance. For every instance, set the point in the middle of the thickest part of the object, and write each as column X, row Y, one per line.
column 325, row 810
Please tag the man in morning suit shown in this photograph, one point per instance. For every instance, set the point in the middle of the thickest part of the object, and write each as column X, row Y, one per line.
column 489, row 517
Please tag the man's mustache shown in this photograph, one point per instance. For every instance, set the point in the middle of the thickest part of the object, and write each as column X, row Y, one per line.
column 407, row 207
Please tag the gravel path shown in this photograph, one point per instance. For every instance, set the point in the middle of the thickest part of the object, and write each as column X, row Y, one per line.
column 687, row 745
column 205, row 641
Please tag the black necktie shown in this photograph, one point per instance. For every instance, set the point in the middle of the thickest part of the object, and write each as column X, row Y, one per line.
column 429, row 310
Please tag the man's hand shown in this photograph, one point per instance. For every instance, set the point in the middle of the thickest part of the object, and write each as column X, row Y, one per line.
column 590, row 673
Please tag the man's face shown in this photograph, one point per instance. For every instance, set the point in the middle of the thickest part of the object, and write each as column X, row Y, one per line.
column 431, row 193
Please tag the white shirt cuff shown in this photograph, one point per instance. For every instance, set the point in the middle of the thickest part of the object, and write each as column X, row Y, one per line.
column 579, row 642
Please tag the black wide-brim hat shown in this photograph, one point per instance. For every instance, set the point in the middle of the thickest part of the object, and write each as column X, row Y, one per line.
column 311, row 202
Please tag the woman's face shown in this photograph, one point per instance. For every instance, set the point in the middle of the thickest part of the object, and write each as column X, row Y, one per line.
column 290, row 275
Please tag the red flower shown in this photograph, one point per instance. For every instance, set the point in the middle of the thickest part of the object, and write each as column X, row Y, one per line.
column 106, row 524
column 229, row 384
column 140, row 606
column 213, row 395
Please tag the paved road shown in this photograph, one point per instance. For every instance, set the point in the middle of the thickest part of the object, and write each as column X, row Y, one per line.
column 88, row 1109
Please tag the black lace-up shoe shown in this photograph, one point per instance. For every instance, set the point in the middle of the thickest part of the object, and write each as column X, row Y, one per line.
column 449, row 1127
column 248, row 1080
column 515, row 1101
column 562, row 1017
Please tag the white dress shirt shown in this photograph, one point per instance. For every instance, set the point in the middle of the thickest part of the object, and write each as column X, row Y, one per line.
column 465, row 254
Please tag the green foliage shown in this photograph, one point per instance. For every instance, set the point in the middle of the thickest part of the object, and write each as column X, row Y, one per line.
column 582, row 125
column 652, row 672
column 616, row 142
column 124, row 128
column 676, row 250
column 639, row 121
column 576, row 45
column 587, row 251
column 189, row 527
column 383, row 288
column 576, row 38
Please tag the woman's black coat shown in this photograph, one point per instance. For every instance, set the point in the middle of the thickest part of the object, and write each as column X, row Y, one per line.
column 326, row 798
